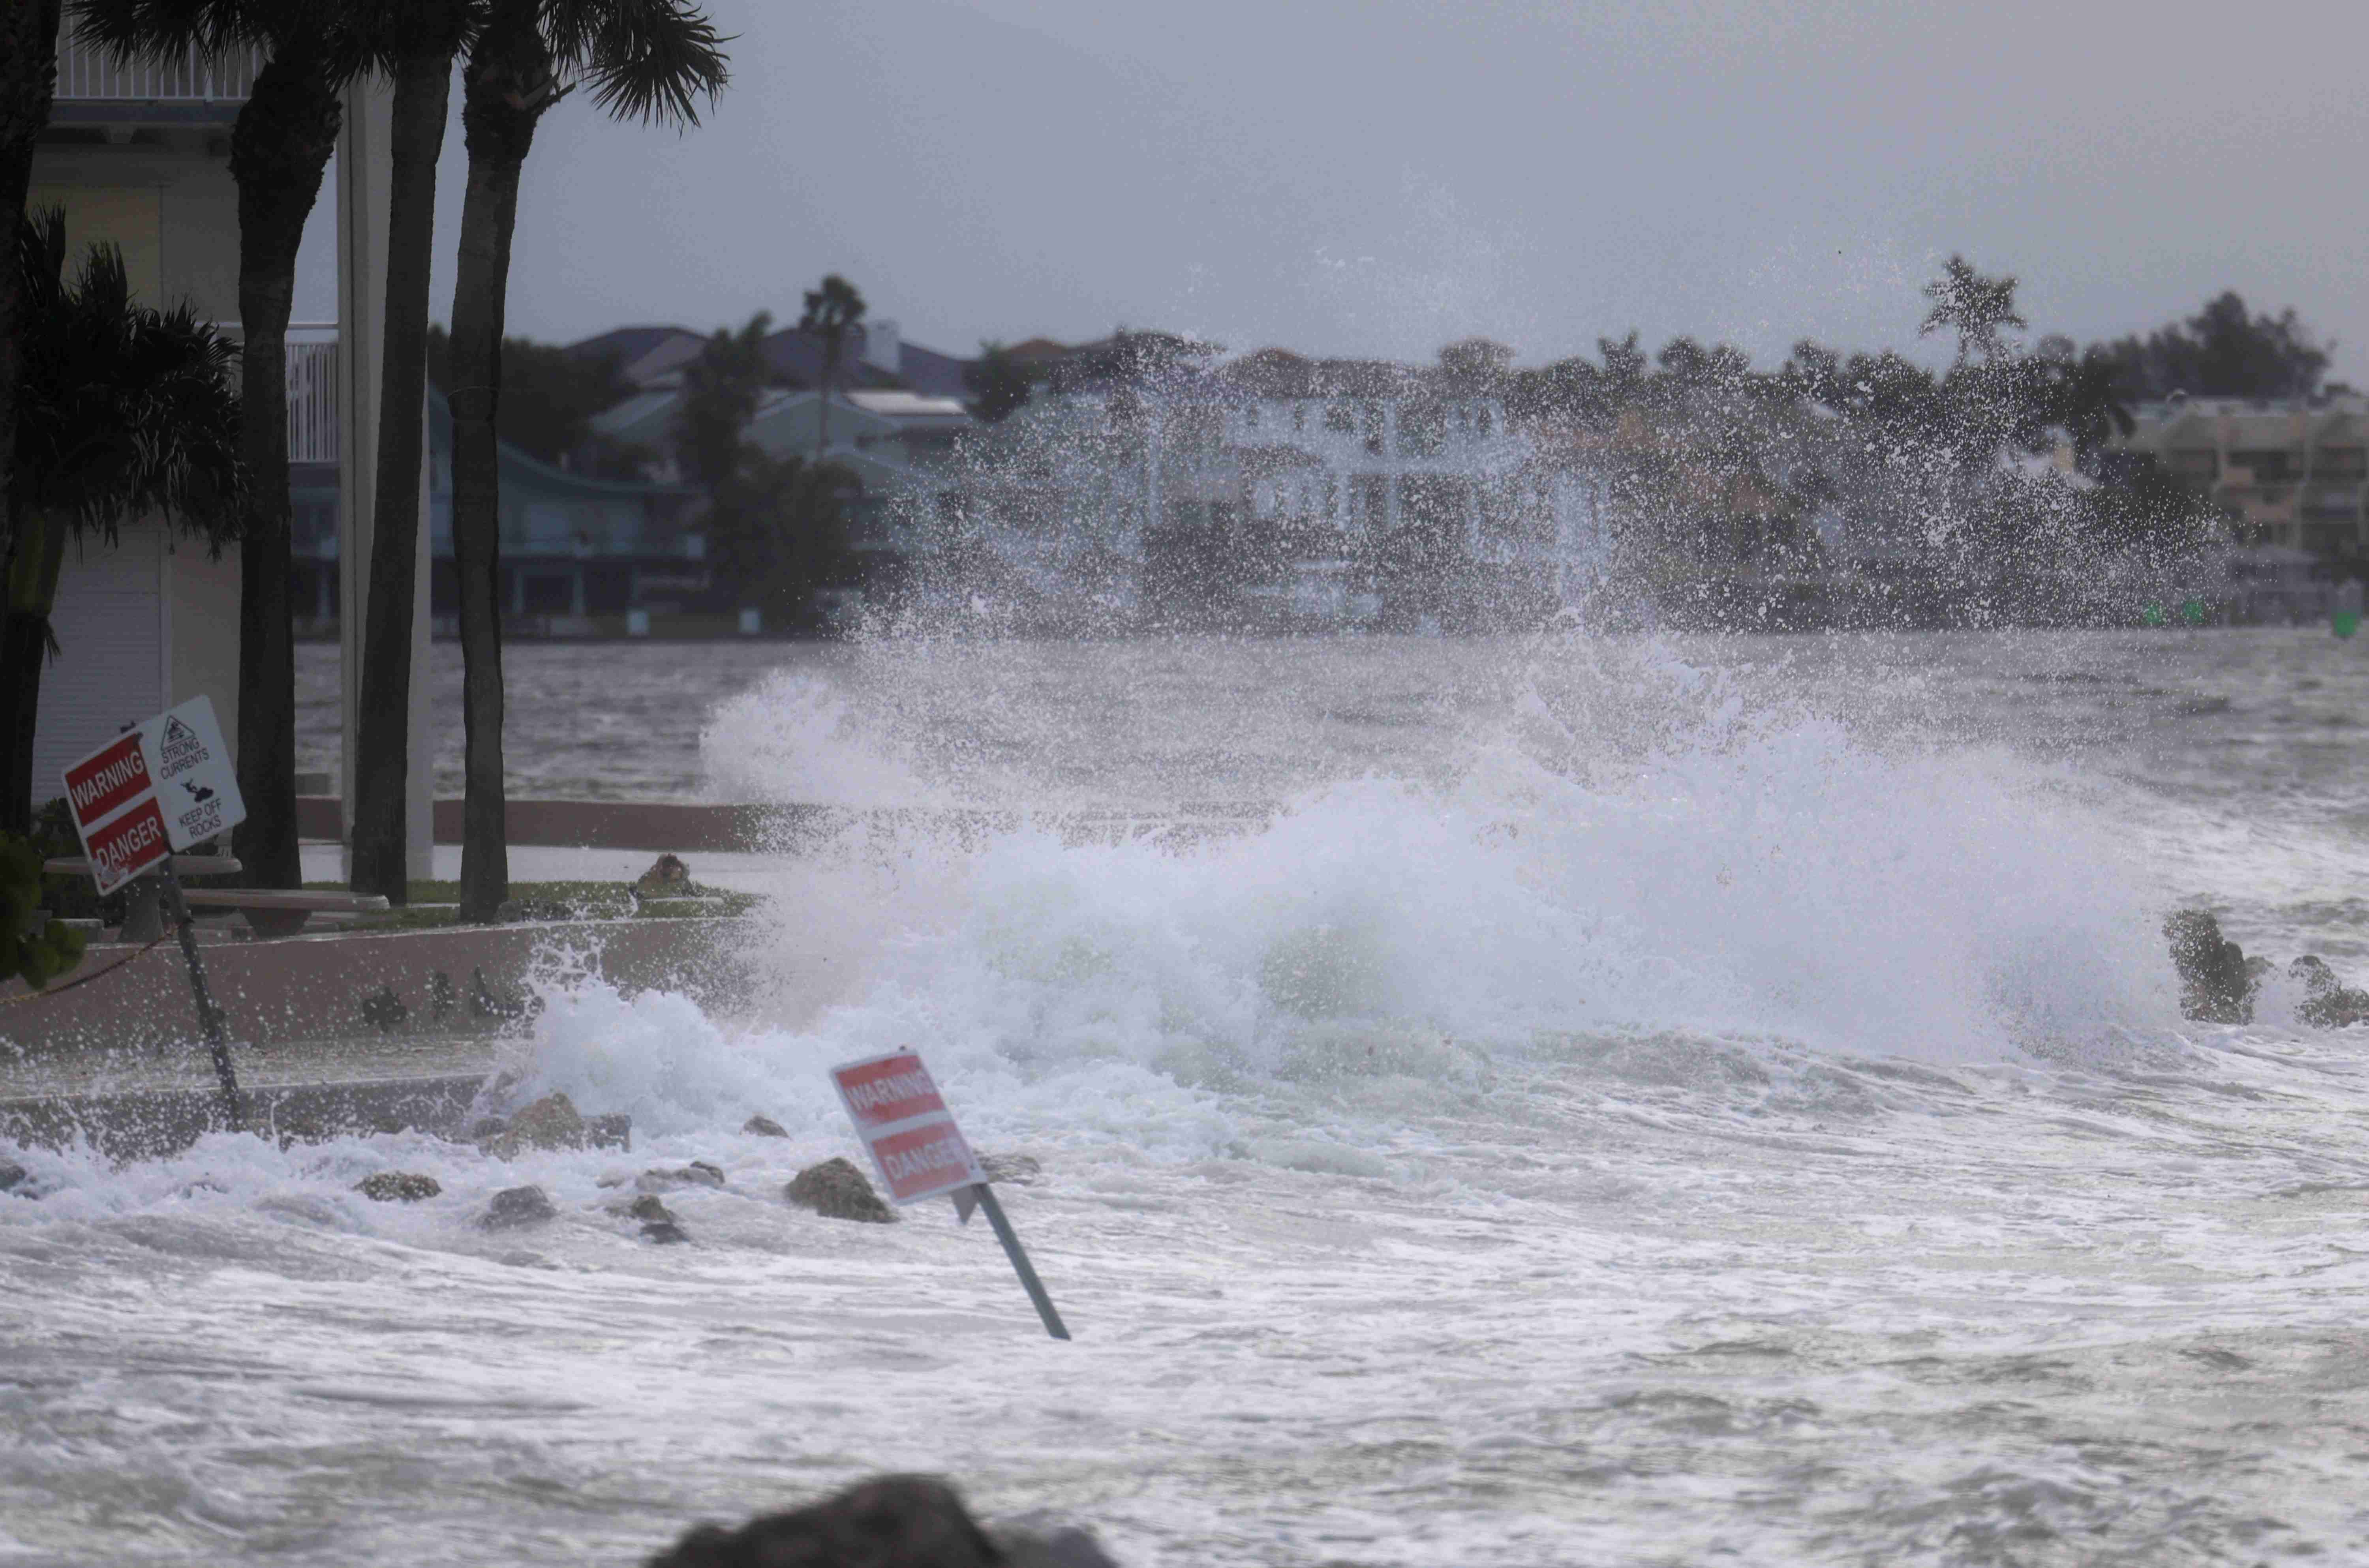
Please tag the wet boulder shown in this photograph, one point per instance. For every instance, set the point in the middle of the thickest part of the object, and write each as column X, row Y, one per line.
column 2215, row 983
column 516, row 1206
column 647, row 1209
column 2327, row 1002
column 895, row 1521
column 1012, row 1170
column 664, row 1233
column 836, row 1190
column 1049, row 1546
column 764, row 1127
column 397, row 1186
column 552, row 1122
column 13, row 1177
column 614, row 1130
column 698, row 1174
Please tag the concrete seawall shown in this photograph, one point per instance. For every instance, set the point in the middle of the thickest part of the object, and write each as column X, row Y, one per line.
column 115, row 1063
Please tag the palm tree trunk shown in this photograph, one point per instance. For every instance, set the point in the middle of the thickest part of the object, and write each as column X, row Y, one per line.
column 33, row 569
column 28, row 58
column 507, row 87
column 280, row 145
column 423, row 85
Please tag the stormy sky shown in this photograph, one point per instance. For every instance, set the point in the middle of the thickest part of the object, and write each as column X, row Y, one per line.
column 1379, row 177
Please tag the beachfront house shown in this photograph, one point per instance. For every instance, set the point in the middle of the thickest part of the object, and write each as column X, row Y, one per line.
column 138, row 156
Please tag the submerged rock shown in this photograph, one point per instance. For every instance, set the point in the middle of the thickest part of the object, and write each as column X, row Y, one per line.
column 614, row 1130
column 2329, row 1003
column 552, row 1122
column 664, row 1233
column 647, row 1209
column 12, row 1176
column 1051, row 1546
column 764, row 1127
column 397, row 1186
column 896, row 1521
column 514, row 1206
column 698, row 1174
column 1013, row 1170
column 2216, row 985
column 836, row 1190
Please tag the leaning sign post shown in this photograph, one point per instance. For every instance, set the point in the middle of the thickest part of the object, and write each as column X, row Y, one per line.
column 920, row 1153
column 167, row 785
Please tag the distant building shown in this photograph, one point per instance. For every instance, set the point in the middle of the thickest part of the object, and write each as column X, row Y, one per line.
column 573, row 547
column 2288, row 475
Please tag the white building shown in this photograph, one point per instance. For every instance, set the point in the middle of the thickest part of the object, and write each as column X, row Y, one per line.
column 139, row 157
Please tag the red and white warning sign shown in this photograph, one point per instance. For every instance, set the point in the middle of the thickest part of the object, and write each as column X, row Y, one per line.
column 905, row 1125
column 167, row 785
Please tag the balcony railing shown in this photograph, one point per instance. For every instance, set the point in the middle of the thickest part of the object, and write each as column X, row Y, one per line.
column 173, row 88
column 312, row 388
column 313, row 397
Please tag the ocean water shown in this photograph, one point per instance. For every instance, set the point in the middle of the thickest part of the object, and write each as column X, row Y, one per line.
column 1633, row 1101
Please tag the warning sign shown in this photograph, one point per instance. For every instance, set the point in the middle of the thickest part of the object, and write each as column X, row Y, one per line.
column 196, row 788
column 915, row 1145
column 167, row 785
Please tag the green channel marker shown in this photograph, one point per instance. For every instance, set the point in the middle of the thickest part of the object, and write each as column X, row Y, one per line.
column 2193, row 612
column 2151, row 614
column 2345, row 623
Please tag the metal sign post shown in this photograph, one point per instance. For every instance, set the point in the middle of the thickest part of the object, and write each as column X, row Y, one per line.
column 210, row 1016
column 1020, row 1264
column 920, row 1153
column 167, row 785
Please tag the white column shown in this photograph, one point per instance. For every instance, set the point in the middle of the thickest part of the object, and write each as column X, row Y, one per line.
column 363, row 172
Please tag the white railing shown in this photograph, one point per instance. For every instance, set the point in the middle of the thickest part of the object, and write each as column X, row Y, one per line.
column 312, row 388
column 312, row 398
column 88, row 75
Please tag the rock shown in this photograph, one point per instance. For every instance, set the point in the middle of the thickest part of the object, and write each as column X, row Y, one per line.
column 2327, row 1002
column 514, row 1206
column 484, row 1127
column 764, row 1127
column 698, row 1174
column 614, row 1130
column 485, row 1002
column 550, row 1122
column 667, row 875
column 398, row 1186
column 1031, row 1545
column 1016, row 1170
column 12, row 1176
column 2215, row 984
column 894, row 1521
column 383, row 1010
column 836, row 1190
column 664, row 1233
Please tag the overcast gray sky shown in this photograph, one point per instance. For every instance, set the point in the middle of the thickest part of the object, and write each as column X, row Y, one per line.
column 1383, row 176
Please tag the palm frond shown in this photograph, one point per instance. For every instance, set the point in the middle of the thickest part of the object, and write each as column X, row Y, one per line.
column 645, row 59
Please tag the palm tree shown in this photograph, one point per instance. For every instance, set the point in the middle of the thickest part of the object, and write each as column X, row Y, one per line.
column 122, row 410
column 28, row 61
column 1976, row 308
column 280, row 145
column 646, row 60
column 831, row 311
column 422, row 37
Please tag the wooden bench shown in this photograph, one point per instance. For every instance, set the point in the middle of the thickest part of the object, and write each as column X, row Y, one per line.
column 273, row 913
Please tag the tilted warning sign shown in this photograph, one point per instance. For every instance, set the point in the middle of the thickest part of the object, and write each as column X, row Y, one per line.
column 167, row 785
column 914, row 1143
column 196, row 788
